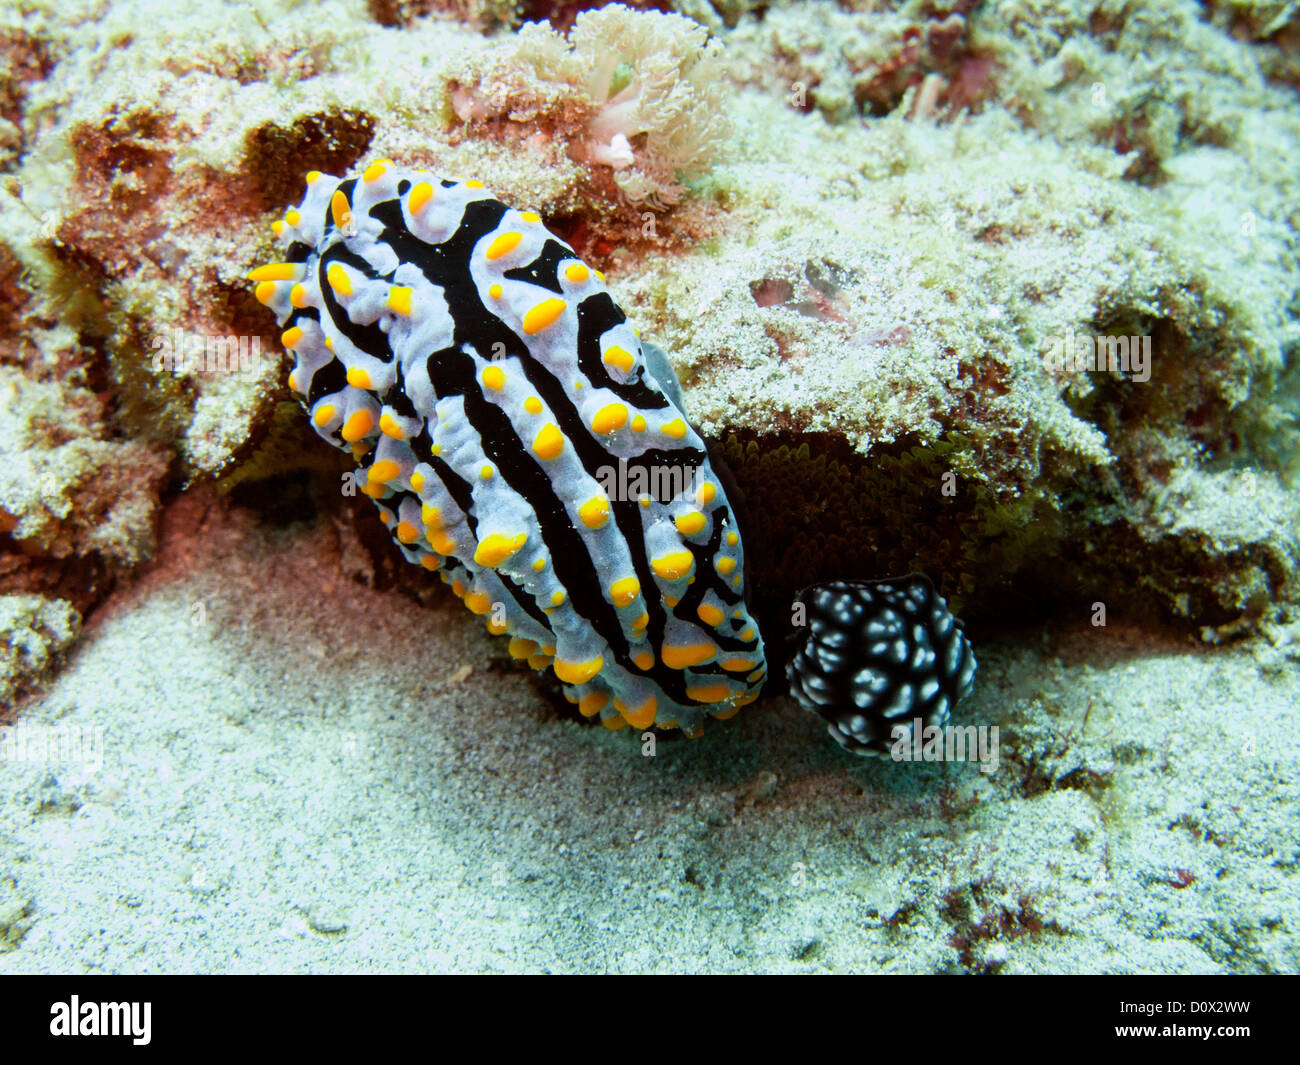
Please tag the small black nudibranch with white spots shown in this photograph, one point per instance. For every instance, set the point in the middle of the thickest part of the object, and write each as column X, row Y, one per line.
column 874, row 656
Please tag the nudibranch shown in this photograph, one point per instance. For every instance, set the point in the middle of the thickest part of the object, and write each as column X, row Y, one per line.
column 519, row 439
column 874, row 657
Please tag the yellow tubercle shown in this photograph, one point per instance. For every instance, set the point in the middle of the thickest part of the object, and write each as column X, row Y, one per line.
column 521, row 648
column 441, row 541
column 690, row 523
column 549, row 442
column 639, row 717
column 674, row 565
column 277, row 272
column 543, row 315
column 593, row 703
column 610, row 417
column 358, row 426
column 420, row 195
column 399, row 299
column 619, row 358
column 578, row 672
column 338, row 280
column 495, row 548
column 340, row 209
column 623, row 592
column 684, row 656
column 503, row 244
column 709, row 693
column 710, row 615
column 594, row 512
column 479, row 602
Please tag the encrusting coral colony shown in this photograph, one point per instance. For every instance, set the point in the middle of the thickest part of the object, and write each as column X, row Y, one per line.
column 864, row 254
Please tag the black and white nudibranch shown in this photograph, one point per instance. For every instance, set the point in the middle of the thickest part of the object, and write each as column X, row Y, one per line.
column 519, row 439
column 874, row 656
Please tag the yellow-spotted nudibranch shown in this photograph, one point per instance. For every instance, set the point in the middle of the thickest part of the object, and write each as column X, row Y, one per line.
column 519, row 439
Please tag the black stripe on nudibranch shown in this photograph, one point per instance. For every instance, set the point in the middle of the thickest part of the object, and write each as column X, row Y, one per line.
column 454, row 375
column 526, row 602
column 397, row 398
column 544, row 271
column 326, row 381
column 368, row 338
column 447, row 265
column 597, row 315
column 458, row 488
column 626, row 513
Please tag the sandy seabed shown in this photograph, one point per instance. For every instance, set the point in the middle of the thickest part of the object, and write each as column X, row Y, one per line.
column 300, row 774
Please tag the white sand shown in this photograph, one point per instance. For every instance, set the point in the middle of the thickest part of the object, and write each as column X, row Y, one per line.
column 300, row 784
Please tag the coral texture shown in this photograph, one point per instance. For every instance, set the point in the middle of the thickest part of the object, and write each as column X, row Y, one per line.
column 34, row 633
column 858, row 245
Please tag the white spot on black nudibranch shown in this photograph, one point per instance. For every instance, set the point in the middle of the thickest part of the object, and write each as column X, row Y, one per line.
column 898, row 654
